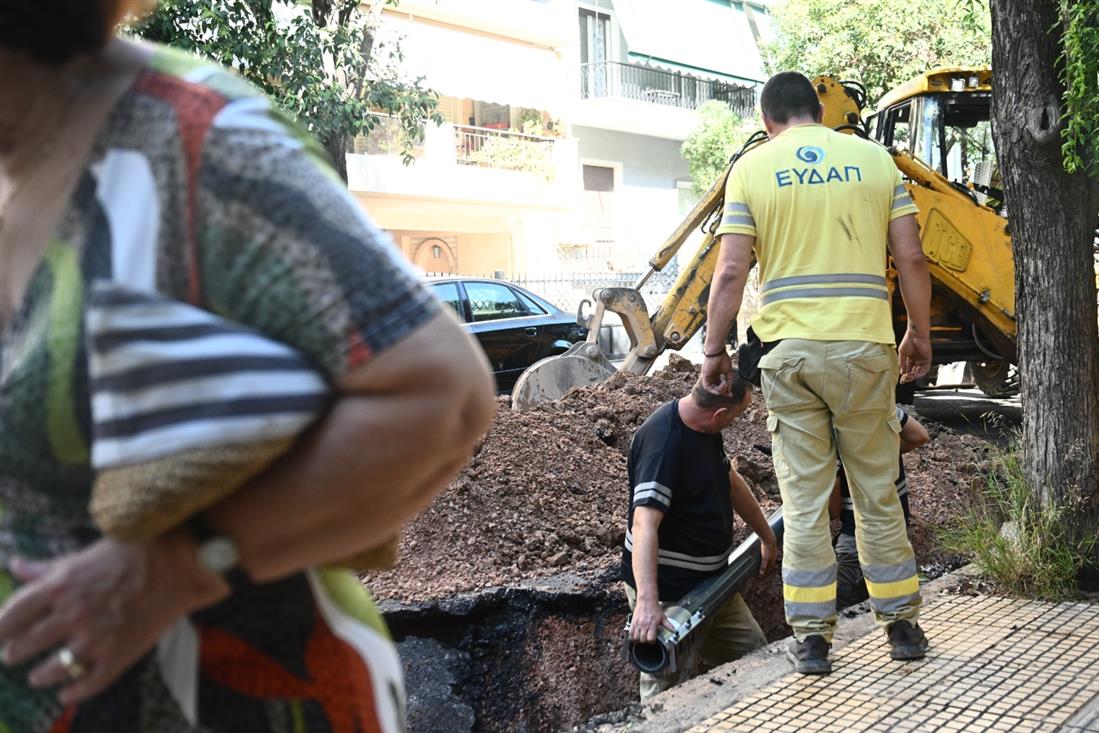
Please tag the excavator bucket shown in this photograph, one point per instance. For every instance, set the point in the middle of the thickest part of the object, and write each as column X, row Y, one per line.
column 550, row 378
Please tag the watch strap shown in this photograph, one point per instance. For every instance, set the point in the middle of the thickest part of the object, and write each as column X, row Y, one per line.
column 202, row 532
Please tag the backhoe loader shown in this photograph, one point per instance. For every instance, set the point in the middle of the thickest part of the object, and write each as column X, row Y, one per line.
column 937, row 129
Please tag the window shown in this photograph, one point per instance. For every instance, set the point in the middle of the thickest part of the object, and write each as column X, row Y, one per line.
column 492, row 115
column 595, row 34
column 448, row 293
column 964, row 129
column 598, row 178
column 491, row 302
column 895, row 127
column 687, row 198
column 531, row 304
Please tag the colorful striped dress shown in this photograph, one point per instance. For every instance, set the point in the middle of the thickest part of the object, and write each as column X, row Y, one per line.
column 197, row 192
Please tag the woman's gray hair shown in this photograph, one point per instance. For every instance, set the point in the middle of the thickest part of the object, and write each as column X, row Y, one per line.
column 708, row 400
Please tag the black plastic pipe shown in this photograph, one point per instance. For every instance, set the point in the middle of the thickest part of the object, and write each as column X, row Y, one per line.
column 688, row 613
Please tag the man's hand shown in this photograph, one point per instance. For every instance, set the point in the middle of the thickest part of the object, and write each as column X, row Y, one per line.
column 717, row 374
column 913, row 356
column 768, row 550
column 647, row 619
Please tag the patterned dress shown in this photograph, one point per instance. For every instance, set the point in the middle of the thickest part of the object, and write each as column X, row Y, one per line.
column 197, row 191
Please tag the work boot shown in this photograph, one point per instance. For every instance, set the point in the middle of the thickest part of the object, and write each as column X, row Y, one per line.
column 810, row 656
column 908, row 641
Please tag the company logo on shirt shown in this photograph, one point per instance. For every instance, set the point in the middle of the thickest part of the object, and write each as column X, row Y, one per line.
column 814, row 176
column 810, row 154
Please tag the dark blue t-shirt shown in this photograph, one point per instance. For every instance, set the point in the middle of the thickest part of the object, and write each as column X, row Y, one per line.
column 684, row 474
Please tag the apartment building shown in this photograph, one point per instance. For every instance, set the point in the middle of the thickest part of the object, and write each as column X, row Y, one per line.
column 564, row 121
column 644, row 68
column 494, row 188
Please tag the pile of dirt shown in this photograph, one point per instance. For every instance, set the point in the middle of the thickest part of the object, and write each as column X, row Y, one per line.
column 547, row 492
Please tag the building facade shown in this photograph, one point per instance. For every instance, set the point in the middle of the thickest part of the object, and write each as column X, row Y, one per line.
column 564, row 121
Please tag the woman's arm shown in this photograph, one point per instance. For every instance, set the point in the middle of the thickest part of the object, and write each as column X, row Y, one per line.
column 407, row 421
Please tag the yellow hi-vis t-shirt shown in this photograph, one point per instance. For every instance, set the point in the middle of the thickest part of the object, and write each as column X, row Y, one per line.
column 819, row 204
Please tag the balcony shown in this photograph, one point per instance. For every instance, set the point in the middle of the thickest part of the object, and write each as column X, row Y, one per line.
column 505, row 150
column 644, row 100
column 466, row 163
column 659, row 86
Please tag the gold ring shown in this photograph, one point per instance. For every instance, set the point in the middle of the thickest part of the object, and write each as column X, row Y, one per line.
column 68, row 661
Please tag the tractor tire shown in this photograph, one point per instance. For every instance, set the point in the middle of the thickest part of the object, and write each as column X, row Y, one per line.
column 995, row 378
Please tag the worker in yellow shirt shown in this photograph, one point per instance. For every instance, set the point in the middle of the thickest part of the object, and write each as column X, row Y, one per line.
column 819, row 208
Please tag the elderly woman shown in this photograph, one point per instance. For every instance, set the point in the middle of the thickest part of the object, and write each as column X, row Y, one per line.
column 142, row 166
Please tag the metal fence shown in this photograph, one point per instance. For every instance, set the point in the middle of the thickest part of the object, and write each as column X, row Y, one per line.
column 669, row 88
column 567, row 289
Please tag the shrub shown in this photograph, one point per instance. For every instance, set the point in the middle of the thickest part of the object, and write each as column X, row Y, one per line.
column 1019, row 545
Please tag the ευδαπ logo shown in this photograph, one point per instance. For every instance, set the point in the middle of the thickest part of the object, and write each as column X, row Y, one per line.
column 810, row 154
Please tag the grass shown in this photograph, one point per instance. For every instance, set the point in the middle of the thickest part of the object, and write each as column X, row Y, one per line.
column 1017, row 544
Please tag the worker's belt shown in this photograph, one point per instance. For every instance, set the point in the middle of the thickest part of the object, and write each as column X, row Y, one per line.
column 840, row 285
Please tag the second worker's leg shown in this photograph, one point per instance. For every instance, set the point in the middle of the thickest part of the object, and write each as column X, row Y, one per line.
column 733, row 633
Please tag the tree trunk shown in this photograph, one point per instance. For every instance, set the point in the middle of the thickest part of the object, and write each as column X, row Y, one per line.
column 1053, row 217
column 337, row 147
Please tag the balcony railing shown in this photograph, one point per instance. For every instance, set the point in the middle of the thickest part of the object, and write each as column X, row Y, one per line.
column 658, row 86
column 485, row 147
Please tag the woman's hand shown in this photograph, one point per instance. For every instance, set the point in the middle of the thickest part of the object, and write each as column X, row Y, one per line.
column 107, row 604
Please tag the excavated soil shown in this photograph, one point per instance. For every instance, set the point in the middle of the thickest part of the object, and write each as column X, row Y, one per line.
column 547, row 490
column 546, row 494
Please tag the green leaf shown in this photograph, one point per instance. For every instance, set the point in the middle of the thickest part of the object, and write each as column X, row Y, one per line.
column 317, row 75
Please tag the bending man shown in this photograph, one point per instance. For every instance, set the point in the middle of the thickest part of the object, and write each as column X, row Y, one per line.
column 680, row 528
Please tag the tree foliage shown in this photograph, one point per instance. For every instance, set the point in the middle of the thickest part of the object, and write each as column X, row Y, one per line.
column 1080, row 75
column 720, row 134
column 317, row 61
column 881, row 43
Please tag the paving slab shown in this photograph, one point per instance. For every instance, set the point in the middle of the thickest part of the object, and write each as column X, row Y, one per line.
column 995, row 664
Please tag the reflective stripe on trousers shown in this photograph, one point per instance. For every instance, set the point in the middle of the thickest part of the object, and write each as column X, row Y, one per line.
column 809, row 595
column 813, row 388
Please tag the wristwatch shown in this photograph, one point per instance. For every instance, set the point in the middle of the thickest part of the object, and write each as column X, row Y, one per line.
column 217, row 553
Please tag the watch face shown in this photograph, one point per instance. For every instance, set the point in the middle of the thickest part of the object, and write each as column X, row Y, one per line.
column 218, row 555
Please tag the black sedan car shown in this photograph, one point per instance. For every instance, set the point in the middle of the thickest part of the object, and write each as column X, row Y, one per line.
column 514, row 326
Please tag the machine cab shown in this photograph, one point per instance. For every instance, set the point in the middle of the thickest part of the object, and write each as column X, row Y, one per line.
column 943, row 118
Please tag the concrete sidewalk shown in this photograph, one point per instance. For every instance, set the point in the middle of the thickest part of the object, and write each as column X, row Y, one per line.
column 995, row 664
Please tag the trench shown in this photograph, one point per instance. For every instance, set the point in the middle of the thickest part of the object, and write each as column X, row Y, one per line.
column 542, row 657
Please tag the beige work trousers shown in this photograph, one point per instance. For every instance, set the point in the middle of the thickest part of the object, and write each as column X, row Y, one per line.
column 823, row 397
column 728, row 634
